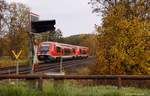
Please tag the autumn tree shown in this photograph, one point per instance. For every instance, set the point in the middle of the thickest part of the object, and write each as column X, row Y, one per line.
column 3, row 25
column 16, row 19
column 3, row 9
column 121, row 47
column 18, row 25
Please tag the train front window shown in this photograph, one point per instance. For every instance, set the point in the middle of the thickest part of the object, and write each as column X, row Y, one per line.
column 44, row 48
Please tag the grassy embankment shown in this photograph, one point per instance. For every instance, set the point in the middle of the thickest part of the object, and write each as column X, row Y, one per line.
column 69, row 89
column 5, row 62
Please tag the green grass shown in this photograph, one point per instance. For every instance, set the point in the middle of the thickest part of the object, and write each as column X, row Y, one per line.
column 68, row 89
column 16, row 90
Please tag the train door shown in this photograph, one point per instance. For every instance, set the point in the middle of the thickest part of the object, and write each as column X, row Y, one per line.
column 59, row 51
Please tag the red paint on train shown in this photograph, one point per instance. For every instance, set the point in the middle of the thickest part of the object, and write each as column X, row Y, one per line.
column 54, row 50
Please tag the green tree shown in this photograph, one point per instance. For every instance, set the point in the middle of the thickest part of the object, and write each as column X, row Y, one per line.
column 88, row 40
column 55, row 36
column 77, row 39
column 121, row 47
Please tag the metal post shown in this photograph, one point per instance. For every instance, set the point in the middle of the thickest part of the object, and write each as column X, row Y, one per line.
column 119, row 82
column 17, row 67
column 61, row 60
column 30, row 45
column 40, row 84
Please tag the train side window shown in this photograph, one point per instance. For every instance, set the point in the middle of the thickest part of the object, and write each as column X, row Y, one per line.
column 80, row 51
column 58, row 49
column 84, row 52
column 67, row 52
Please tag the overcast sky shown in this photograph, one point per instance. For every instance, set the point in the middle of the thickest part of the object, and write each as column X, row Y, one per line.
column 72, row 16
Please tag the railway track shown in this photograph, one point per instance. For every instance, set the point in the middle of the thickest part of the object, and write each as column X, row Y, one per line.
column 47, row 67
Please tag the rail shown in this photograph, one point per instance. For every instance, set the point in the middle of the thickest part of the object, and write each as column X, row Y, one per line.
column 51, row 67
column 92, row 77
column 40, row 78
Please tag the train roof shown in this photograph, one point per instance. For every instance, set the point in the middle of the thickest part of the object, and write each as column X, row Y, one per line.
column 64, row 45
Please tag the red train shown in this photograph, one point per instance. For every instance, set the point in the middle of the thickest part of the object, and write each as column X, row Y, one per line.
column 52, row 51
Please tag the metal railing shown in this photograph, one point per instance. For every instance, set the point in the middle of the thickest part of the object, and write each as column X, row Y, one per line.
column 118, row 78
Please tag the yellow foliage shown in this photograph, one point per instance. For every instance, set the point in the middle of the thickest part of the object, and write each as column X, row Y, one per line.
column 121, row 42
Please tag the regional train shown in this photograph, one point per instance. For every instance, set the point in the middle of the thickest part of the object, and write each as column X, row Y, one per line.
column 53, row 51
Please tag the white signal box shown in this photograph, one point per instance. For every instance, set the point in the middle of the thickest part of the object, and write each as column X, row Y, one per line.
column 34, row 17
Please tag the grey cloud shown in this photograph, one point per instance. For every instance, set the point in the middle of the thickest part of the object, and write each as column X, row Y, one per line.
column 72, row 16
